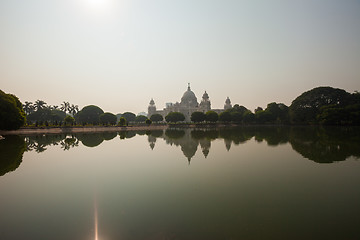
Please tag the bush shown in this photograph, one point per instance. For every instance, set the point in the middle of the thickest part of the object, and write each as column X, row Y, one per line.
column 175, row 117
column 198, row 117
column 122, row 121
column 225, row 117
column 211, row 116
column 156, row 117
column 89, row 114
column 108, row 118
column 140, row 119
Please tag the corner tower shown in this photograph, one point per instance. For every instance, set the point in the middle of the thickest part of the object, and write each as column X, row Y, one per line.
column 151, row 108
column 205, row 104
column 227, row 104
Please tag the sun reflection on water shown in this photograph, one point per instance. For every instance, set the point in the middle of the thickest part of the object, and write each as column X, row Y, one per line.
column 96, row 219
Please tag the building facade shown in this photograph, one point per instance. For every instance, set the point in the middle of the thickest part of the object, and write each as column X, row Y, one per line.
column 187, row 105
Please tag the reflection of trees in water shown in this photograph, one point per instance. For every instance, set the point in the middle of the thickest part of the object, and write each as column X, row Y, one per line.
column 322, row 145
column 109, row 135
column 174, row 133
column 127, row 134
column 39, row 143
column 273, row 135
column 68, row 143
column 12, row 149
column 326, row 145
column 90, row 140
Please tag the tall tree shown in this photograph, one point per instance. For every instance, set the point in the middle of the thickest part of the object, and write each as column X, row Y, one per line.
column 306, row 107
column 73, row 109
column 39, row 104
column 89, row 114
column 65, row 106
column 12, row 115
column 28, row 107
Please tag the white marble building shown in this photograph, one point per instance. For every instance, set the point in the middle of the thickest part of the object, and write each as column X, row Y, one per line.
column 187, row 105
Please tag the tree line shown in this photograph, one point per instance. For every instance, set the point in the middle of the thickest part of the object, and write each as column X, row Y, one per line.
column 321, row 105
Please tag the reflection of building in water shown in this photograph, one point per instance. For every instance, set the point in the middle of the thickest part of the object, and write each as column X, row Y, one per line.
column 205, row 146
column 227, row 143
column 152, row 141
column 187, row 105
column 182, row 138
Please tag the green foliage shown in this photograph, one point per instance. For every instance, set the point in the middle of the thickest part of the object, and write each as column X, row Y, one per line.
column 225, row 116
column 198, row 117
column 175, row 117
column 211, row 116
column 239, row 109
column 108, row 118
column 237, row 113
column 258, row 109
column 248, row 117
column 89, row 114
column 118, row 116
column 279, row 113
column 46, row 114
column 39, row 104
column 156, row 117
column 129, row 116
column 236, row 117
column 122, row 121
column 305, row 108
column 12, row 115
column 69, row 120
column 263, row 117
column 140, row 119
column 148, row 121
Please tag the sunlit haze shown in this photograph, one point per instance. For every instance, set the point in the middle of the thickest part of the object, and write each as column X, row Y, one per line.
column 118, row 54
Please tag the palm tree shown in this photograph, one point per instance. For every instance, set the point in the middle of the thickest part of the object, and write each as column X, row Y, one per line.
column 73, row 109
column 65, row 106
column 28, row 107
column 39, row 104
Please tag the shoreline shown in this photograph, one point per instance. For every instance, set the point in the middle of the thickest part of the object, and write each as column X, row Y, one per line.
column 93, row 129
column 60, row 130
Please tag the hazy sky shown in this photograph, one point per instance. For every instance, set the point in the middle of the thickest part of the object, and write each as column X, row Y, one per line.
column 118, row 54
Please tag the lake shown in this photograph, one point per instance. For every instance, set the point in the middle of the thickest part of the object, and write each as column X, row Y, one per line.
column 203, row 184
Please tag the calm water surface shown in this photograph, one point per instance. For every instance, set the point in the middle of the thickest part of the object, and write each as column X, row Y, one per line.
column 244, row 183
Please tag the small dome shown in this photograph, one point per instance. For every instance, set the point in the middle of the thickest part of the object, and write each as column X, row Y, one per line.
column 152, row 102
column 227, row 101
column 205, row 96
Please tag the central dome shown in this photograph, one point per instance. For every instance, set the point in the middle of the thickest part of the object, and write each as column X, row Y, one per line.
column 189, row 98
